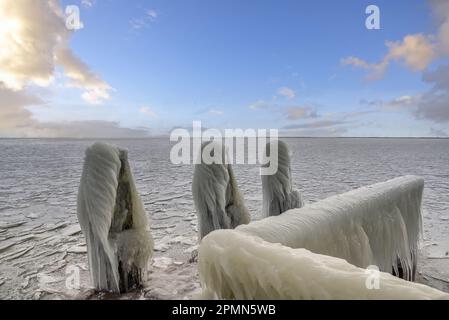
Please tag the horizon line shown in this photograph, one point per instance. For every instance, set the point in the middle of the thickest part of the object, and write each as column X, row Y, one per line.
column 167, row 136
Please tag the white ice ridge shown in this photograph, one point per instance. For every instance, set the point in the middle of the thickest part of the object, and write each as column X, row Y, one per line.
column 113, row 220
column 234, row 265
column 278, row 193
column 374, row 225
column 218, row 201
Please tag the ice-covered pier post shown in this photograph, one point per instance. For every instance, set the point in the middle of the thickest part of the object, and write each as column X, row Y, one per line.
column 218, row 201
column 113, row 220
column 278, row 193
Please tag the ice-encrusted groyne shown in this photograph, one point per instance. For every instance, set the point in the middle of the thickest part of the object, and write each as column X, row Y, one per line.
column 373, row 225
column 278, row 193
column 113, row 220
column 378, row 225
column 217, row 198
column 235, row 265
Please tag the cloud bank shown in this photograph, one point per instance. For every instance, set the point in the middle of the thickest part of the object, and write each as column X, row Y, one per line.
column 34, row 43
column 417, row 52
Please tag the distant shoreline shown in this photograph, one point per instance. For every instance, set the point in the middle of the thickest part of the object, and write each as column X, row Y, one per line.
column 167, row 137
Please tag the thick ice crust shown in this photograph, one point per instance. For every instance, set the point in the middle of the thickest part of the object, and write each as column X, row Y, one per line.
column 234, row 265
column 374, row 225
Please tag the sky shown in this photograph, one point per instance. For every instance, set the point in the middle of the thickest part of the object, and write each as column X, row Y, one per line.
column 142, row 68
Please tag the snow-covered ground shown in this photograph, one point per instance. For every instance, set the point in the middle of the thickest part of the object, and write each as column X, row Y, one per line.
column 41, row 244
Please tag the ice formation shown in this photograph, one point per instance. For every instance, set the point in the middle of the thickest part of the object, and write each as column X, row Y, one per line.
column 218, row 201
column 374, row 225
column 234, row 265
column 113, row 220
column 278, row 193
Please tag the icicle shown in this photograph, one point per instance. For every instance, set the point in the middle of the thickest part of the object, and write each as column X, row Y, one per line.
column 218, row 201
column 375, row 225
column 278, row 193
column 234, row 265
column 113, row 220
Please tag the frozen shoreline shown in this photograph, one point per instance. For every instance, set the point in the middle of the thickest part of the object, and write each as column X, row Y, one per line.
column 39, row 237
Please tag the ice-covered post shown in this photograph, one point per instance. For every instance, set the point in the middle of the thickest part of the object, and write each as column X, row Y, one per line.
column 113, row 220
column 278, row 193
column 218, row 201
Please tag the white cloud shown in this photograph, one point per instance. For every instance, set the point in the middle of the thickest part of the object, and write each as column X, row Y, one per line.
column 438, row 133
column 260, row 104
column 315, row 132
column 17, row 121
column 286, row 92
column 143, row 22
column 80, row 76
column 152, row 14
column 401, row 101
column 87, row 129
column 216, row 112
column 316, row 124
column 405, row 102
column 432, row 105
column 416, row 51
column 34, row 41
column 13, row 112
column 441, row 12
column 376, row 70
column 148, row 112
column 137, row 23
column 88, row 3
column 295, row 113
column 95, row 96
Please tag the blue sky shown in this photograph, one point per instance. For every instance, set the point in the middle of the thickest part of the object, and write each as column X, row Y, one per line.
column 255, row 64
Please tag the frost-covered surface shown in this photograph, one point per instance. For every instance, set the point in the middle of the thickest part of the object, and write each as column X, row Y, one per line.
column 40, row 236
column 113, row 220
column 375, row 225
column 234, row 265
column 218, row 200
column 278, row 193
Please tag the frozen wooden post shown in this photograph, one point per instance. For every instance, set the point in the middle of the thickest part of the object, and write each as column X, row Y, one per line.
column 218, row 201
column 113, row 220
column 278, row 193
column 235, row 265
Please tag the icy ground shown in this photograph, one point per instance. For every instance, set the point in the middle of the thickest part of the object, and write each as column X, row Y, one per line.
column 41, row 245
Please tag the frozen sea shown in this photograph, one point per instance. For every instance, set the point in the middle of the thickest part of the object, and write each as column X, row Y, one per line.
column 42, row 249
